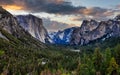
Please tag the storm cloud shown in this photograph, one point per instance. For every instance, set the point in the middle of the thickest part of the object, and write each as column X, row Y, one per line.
column 53, row 6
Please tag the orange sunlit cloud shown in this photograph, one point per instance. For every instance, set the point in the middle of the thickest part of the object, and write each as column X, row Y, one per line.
column 15, row 9
column 12, row 7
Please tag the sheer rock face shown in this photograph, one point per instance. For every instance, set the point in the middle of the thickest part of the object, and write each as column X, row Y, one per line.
column 34, row 26
column 93, row 30
column 80, row 34
column 10, row 24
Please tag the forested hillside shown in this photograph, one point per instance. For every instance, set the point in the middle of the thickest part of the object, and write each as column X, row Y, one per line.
column 17, row 58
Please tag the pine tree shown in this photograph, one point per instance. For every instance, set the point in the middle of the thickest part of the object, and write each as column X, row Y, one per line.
column 113, row 67
column 117, row 53
column 108, row 55
column 97, row 58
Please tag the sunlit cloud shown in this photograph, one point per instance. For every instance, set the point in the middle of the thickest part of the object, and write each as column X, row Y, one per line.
column 15, row 9
column 67, row 19
column 12, row 7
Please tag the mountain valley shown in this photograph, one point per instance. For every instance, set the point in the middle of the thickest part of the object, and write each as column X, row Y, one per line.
column 27, row 48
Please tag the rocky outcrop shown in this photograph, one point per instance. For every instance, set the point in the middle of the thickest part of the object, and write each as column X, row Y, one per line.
column 79, row 34
column 93, row 30
column 34, row 26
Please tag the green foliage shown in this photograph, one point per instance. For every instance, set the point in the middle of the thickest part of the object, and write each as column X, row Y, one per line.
column 98, row 59
column 10, row 37
column 2, row 52
column 113, row 66
column 108, row 55
column 117, row 53
column 83, row 69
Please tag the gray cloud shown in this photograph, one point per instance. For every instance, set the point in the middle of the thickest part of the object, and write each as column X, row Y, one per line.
column 49, row 6
column 5, row 2
column 62, row 7
column 53, row 6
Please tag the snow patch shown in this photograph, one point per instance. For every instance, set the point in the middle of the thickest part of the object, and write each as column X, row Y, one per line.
column 61, row 35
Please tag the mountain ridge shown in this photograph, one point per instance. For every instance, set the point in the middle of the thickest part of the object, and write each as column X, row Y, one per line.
column 92, row 30
column 89, row 31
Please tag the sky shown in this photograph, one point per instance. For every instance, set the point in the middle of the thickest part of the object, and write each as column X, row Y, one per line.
column 61, row 14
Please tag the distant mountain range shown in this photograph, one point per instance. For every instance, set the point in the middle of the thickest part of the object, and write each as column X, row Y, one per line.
column 24, row 26
column 88, row 32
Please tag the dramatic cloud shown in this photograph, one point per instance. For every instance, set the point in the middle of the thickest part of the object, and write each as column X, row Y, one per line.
column 61, row 13
column 53, row 6
column 49, row 6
